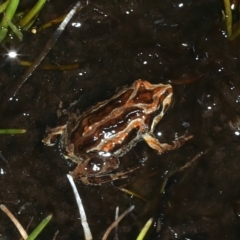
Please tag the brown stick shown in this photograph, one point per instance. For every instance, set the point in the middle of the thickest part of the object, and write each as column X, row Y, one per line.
column 15, row 221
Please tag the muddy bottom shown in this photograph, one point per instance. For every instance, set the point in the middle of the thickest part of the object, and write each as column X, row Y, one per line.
column 115, row 43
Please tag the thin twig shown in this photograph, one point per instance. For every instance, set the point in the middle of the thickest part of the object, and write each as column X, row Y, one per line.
column 55, row 235
column 116, row 228
column 27, row 228
column 86, row 229
column 15, row 221
column 115, row 223
column 185, row 166
column 132, row 193
column 3, row 158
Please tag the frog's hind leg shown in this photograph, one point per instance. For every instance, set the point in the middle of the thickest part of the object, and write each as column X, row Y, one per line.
column 163, row 147
column 98, row 180
column 52, row 133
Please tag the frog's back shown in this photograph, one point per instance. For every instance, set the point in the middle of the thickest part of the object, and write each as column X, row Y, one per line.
column 112, row 124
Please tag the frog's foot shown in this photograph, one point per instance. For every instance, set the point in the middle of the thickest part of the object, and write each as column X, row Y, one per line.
column 98, row 180
column 52, row 134
column 163, row 147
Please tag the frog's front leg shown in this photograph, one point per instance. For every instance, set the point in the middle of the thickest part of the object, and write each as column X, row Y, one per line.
column 52, row 133
column 163, row 147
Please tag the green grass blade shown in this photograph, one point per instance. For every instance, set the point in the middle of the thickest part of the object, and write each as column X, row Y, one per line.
column 3, row 33
column 10, row 11
column 52, row 67
column 30, row 15
column 14, row 29
column 228, row 13
column 235, row 34
column 145, row 229
column 39, row 228
column 12, row 131
column 3, row 6
column 29, row 24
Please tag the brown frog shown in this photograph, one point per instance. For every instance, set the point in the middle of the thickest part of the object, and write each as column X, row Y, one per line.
column 99, row 136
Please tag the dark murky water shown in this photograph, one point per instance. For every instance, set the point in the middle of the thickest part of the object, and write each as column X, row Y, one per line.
column 118, row 42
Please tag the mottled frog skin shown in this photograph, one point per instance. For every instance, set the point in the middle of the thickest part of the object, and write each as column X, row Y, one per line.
column 99, row 136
